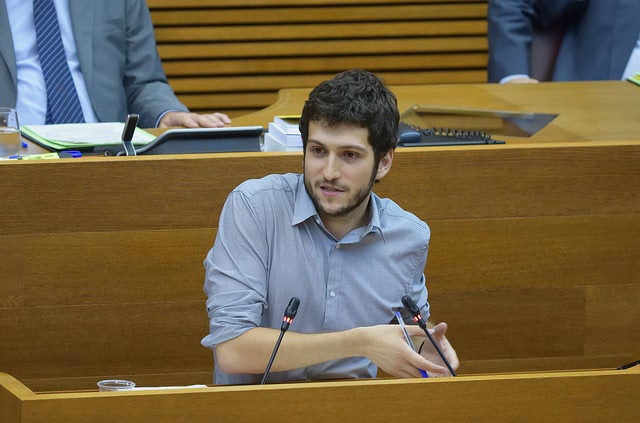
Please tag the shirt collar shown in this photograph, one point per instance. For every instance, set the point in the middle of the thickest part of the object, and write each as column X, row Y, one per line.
column 303, row 208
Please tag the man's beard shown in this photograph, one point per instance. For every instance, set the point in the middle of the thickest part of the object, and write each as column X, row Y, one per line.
column 354, row 202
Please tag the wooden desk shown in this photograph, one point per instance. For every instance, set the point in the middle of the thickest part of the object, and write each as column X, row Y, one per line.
column 587, row 396
column 594, row 111
column 534, row 260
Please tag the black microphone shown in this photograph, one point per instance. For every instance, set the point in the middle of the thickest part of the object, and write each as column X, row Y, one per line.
column 411, row 305
column 289, row 313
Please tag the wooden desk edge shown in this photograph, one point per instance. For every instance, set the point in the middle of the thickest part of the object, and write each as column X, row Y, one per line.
column 16, row 388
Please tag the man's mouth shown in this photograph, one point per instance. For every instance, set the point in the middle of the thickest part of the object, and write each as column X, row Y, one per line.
column 330, row 190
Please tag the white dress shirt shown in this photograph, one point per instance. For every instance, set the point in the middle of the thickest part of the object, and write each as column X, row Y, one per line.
column 633, row 66
column 32, row 93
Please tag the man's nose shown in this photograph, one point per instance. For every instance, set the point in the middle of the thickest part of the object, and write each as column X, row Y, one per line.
column 331, row 168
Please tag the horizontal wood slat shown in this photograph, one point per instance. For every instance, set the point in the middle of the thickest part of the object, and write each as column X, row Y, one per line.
column 295, row 81
column 354, row 31
column 255, row 48
column 323, row 49
column 324, row 13
column 196, row 4
column 293, row 65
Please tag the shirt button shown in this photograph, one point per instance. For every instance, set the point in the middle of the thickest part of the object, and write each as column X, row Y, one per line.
column 332, row 293
column 338, row 246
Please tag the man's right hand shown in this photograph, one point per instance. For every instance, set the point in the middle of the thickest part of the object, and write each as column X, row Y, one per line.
column 386, row 347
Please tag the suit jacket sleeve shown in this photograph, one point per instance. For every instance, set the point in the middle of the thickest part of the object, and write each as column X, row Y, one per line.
column 120, row 61
column 148, row 92
column 511, row 29
column 510, row 32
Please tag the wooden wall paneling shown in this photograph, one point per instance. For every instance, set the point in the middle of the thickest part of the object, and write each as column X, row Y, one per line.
column 105, row 340
column 533, row 261
column 254, row 49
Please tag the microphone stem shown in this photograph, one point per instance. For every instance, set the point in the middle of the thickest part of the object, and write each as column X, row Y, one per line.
column 273, row 356
column 435, row 345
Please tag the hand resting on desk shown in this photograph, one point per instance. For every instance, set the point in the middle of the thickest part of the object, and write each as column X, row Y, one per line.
column 194, row 120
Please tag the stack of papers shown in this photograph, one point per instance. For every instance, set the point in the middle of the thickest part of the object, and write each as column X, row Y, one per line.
column 79, row 136
column 283, row 134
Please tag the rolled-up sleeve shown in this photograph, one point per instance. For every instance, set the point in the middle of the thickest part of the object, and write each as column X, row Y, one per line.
column 235, row 272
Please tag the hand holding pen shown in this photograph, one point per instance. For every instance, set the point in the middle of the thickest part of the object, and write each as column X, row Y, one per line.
column 408, row 339
column 428, row 351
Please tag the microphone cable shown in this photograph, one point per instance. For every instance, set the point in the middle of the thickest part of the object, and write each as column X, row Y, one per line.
column 411, row 305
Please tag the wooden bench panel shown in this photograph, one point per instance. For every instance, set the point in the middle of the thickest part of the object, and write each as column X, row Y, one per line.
column 464, row 254
column 534, row 258
column 550, row 182
column 122, row 264
column 105, row 340
column 254, row 48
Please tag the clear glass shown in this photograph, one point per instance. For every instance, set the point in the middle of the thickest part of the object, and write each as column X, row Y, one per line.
column 116, row 385
column 9, row 133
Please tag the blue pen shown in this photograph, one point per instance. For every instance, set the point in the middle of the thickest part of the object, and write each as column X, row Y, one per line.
column 65, row 154
column 408, row 338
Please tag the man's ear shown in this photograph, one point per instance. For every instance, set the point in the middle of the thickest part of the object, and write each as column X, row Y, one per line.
column 385, row 165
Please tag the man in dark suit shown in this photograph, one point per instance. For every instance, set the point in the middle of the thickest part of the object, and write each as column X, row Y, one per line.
column 118, row 69
column 596, row 42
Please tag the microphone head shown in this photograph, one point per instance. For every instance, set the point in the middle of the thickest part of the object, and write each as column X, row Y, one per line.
column 292, row 308
column 290, row 313
column 410, row 305
column 413, row 308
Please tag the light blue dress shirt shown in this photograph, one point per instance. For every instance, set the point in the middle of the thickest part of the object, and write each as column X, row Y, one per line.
column 271, row 246
column 31, row 103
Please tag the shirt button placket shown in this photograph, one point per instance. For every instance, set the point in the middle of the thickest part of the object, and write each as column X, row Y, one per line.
column 333, row 280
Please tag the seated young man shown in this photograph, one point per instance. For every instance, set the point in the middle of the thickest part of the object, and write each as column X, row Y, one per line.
column 326, row 238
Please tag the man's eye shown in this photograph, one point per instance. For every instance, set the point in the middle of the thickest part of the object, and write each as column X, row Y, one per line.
column 351, row 155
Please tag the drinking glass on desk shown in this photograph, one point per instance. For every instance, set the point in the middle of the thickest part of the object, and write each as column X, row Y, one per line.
column 9, row 133
column 115, row 385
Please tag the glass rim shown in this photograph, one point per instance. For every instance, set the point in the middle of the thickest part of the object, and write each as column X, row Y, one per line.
column 116, row 384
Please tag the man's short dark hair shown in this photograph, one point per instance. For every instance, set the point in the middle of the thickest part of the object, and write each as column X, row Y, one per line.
column 356, row 97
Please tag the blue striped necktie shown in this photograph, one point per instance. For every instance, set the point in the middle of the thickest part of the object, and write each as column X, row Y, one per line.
column 63, row 105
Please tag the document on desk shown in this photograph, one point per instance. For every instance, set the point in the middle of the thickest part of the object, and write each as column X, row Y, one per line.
column 635, row 78
column 152, row 388
column 81, row 135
